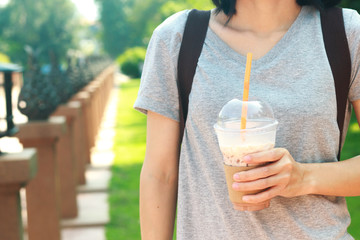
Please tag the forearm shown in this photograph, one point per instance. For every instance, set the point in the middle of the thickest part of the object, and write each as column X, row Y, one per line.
column 334, row 179
column 157, row 206
column 159, row 178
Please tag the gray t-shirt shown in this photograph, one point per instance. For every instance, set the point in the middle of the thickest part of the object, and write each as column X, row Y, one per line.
column 296, row 80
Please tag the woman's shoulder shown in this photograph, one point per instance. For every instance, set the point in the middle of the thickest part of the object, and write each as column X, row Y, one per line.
column 352, row 21
column 172, row 26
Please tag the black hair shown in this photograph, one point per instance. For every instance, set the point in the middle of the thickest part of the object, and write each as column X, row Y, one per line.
column 228, row 6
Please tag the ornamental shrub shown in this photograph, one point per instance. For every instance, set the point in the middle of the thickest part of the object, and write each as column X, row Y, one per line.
column 131, row 61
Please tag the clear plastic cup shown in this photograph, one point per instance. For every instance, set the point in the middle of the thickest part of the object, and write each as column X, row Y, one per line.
column 235, row 143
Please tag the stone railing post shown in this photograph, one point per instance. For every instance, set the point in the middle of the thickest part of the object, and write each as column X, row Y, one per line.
column 16, row 170
column 68, row 164
column 43, row 192
column 84, row 99
column 74, row 111
column 99, row 91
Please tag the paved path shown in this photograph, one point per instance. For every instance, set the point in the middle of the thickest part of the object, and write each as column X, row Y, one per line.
column 92, row 197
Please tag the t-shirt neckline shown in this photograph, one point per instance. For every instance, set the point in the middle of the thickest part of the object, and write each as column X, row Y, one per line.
column 275, row 51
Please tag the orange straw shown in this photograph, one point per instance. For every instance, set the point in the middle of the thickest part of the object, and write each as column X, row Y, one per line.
column 246, row 90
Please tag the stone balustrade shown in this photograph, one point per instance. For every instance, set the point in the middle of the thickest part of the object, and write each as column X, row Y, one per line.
column 63, row 144
column 16, row 170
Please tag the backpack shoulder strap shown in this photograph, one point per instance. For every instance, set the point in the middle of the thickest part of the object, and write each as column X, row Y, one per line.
column 338, row 53
column 191, row 46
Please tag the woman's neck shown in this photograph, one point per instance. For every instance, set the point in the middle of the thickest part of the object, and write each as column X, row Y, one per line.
column 263, row 17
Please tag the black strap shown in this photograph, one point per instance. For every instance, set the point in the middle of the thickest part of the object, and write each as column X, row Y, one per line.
column 191, row 46
column 338, row 53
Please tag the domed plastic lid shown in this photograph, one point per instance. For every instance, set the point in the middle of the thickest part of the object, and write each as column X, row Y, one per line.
column 259, row 114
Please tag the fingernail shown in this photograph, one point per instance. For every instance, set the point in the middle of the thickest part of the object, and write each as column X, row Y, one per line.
column 245, row 198
column 247, row 158
column 237, row 176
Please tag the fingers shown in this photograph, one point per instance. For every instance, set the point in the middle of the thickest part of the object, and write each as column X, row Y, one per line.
column 265, row 156
column 262, row 196
column 285, row 165
column 257, row 173
column 263, row 183
column 271, row 179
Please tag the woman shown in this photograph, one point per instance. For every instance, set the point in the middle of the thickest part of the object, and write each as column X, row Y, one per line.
column 290, row 71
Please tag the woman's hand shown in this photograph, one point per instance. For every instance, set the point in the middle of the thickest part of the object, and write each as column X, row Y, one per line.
column 281, row 176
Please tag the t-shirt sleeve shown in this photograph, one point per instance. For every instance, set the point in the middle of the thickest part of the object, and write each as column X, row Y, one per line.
column 353, row 32
column 158, row 90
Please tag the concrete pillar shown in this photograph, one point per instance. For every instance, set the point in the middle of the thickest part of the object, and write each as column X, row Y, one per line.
column 74, row 110
column 84, row 99
column 67, row 162
column 16, row 170
column 43, row 192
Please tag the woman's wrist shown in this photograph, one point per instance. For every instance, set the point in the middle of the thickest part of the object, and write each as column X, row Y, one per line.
column 332, row 178
column 309, row 181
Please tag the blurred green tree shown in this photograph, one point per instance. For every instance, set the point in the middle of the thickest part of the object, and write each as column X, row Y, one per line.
column 47, row 26
column 166, row 9
column 143, row 14
column 114, row 16
column 129, row 23
column 354, row 4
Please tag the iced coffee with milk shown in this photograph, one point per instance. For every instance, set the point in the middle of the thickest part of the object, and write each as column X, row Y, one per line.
column 237, row 141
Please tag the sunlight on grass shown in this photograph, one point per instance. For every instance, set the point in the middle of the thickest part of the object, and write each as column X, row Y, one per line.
column 129, row 148
column 354, row 127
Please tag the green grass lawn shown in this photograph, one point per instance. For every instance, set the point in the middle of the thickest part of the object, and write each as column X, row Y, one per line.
column 129, row 151
column 352, row 148
column 129, row 148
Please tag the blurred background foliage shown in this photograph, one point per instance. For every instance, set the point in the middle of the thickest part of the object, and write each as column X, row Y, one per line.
column 47, row 26
column 131, row 61
column 130, row 23
column 127, row 26
column 354, row 4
